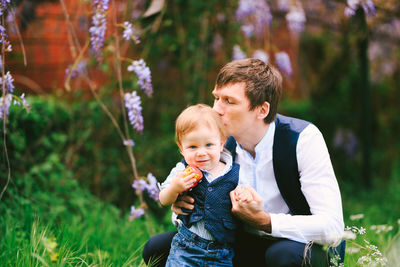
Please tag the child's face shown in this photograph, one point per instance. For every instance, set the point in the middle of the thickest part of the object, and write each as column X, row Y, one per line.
column 202, row 147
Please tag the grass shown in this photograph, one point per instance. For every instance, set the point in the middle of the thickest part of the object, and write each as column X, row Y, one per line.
column 99, row 234
column 378, row 212
column 101, row 238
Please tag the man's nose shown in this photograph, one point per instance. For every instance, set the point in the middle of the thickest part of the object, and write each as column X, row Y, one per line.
column 217, row 107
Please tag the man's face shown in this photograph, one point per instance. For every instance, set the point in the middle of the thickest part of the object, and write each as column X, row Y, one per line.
column 233, row 105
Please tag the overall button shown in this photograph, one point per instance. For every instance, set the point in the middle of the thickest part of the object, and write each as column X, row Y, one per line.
column 207, row 206
column 210, row 189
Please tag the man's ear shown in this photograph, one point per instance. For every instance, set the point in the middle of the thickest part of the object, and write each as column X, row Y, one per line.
column 263, row 110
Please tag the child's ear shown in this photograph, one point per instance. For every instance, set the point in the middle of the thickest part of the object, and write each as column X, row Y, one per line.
column 180, row 148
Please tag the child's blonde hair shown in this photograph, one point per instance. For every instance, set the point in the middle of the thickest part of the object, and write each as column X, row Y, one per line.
column 194, row 115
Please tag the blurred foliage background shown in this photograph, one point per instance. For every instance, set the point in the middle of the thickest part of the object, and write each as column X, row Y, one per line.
column 345, row 79
column 185, row 43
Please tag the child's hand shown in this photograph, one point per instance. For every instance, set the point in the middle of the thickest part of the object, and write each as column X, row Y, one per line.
column 182, row 181
column 242, row 195
column 197, row 174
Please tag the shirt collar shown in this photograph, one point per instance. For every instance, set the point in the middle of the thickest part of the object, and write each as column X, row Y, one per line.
column 267, row 141
column 226, row 157
column 264, row 145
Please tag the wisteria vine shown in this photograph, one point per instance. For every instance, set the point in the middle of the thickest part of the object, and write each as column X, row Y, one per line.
column 255, row 18
column 99, row 26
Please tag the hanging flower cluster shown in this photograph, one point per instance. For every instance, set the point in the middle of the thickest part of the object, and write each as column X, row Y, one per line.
column 78, row 70
column 129, row 142
column 283, row 62
column 254, row 15
column 129, row 32
column 296, row 18
column 6, row 80
column 136, row 213
column 352, row 5
column 260, row 54
column 5, row 103
column 144, row 75
column 238, row 53
column 3, row 6
column 150, row 186
column 99, row 26
column 4, row 39
column 133, row 104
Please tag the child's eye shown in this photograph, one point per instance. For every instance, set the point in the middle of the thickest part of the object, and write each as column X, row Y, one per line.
column 209, row 145
column 192, row 147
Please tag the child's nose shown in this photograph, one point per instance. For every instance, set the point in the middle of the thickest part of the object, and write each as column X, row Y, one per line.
column 201, row 151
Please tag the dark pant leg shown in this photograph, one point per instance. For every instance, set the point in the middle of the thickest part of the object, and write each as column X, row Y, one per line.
column 156, row 249
column 251, row 250
column 285, row 253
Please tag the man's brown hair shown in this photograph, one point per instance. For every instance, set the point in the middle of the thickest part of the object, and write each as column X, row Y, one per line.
column 194, row 116
column 263, row 83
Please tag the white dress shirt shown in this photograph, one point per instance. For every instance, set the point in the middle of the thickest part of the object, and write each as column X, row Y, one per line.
column 318, row 184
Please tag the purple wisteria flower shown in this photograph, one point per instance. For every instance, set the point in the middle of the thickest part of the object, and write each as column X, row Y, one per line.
column 4, row 39
column 217, row 43
column 256, row 13
column 99, row 25
column 369, row 7
column 238, row 53
column 349, row 12
column 129, row 142
column 22, row 101
column 144, row 75
column 346, row 140
column 283, row 5
column 352, row 5
column 79, row 70
column 260, row 54
column 296, row 19
column 283, row 63
column 133, row 104
column 152, row 187
column 136, row 213
column 8, row 82
column 139, row 186
column 129, row 32
column 3, row 6
column 247, row 30
column 5, row 103
column 10, row 19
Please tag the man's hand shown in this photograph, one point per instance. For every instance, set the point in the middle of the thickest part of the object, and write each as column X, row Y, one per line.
column 247, row 204
column 183, row 201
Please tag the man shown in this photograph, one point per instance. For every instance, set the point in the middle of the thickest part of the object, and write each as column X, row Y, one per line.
column 290, row 200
